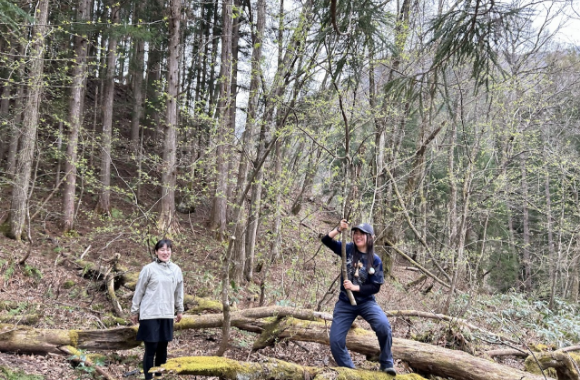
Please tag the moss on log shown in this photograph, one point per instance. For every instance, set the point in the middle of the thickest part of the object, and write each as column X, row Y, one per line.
column 558, row 363
column 270, row 369
column 424, row 358
column 23, row 339
column 19, row 319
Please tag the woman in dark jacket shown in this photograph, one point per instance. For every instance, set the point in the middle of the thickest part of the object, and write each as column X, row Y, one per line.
column 158, row 295
column 365, row 277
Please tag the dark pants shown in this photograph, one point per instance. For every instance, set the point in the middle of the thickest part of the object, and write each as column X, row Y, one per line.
column 342, row 319
column 157, row 350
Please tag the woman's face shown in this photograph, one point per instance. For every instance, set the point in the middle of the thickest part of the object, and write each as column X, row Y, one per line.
column 360, row 240
column 163, row 253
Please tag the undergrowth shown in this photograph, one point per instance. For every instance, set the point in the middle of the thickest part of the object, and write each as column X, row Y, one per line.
column 523, row 319
column 8, row 374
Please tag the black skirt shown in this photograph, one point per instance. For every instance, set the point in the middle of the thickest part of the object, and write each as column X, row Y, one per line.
column 155, row 330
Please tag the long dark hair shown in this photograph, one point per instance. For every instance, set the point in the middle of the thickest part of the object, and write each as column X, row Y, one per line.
column 370, row 251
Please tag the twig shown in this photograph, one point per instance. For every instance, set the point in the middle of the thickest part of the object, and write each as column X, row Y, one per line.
column 79, row 358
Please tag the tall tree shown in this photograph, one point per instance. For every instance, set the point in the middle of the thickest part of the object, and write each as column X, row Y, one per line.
column 239, row 255
column 19, row 204
column 137, row 66
column 79, row 74
column 104, row 202
column 169, row 171
column 224, row 132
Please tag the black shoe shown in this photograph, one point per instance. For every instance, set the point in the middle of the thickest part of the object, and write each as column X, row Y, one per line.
column 389, row 371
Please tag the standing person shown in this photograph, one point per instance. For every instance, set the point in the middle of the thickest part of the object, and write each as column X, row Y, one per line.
column 365, row 276
column 158, row 294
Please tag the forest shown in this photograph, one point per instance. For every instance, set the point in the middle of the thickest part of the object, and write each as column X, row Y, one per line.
column 244, row 131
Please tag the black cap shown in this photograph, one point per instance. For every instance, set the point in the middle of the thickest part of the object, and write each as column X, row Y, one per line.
column 364, row 227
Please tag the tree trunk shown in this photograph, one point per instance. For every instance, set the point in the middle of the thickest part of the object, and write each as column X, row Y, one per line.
column 79, row 75
column 293, row 51
column 526, row 255
column 277, row 229
column 18, row 111
column 104, row 202
column 5, row 102
column 19, row 204
column 224, row 135
column 254, row 211
column 153, row 86
column 169, row 172
column 311, row 169
column 239, row 255
column 231, row 185
column 137, row 67
column 552, row 259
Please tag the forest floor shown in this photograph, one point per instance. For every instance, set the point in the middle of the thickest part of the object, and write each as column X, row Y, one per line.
column 48, row 285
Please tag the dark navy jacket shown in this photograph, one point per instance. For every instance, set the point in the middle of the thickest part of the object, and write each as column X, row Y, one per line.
column 370, row 284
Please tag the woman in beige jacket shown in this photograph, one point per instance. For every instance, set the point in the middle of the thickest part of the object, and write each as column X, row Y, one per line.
column 158, row 295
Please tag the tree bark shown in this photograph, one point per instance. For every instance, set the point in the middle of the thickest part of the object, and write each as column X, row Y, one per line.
column 224, row 132
column 239, row 255
column 19, row 204
column 565, row 367
column 526, row 255
column 18, row 111
column 293, row 52
column 169, row 172
column 104, row 202
column 137, row 67
column 79, row 74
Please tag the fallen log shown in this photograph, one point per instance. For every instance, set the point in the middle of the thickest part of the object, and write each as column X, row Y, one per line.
column 523, row 353
column 24, row 339
column 22, row 319
column 447, row 318
column 270, row 369
column 558, row 361
column 424, row 358
column 507, row 352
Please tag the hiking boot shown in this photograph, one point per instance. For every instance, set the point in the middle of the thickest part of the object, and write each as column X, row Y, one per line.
column 389, row 371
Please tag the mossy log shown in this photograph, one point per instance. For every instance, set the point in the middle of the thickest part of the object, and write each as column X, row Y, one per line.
column 24, row 339
column 19, row 319
column 559, row 362
column 270, row 369
column 447, row 318
column 423, row 357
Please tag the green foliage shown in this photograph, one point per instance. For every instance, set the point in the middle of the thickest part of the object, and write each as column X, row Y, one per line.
column 31, row 271
column 8, row 374
column 12, row 15
column 22, row 306
column 504, row 265
column 9, row 271
column 470, row 32
column 116, row 213
column 521, row 318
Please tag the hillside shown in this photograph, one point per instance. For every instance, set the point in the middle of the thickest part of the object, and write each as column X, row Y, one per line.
column 52, row 288
column 452, row 128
